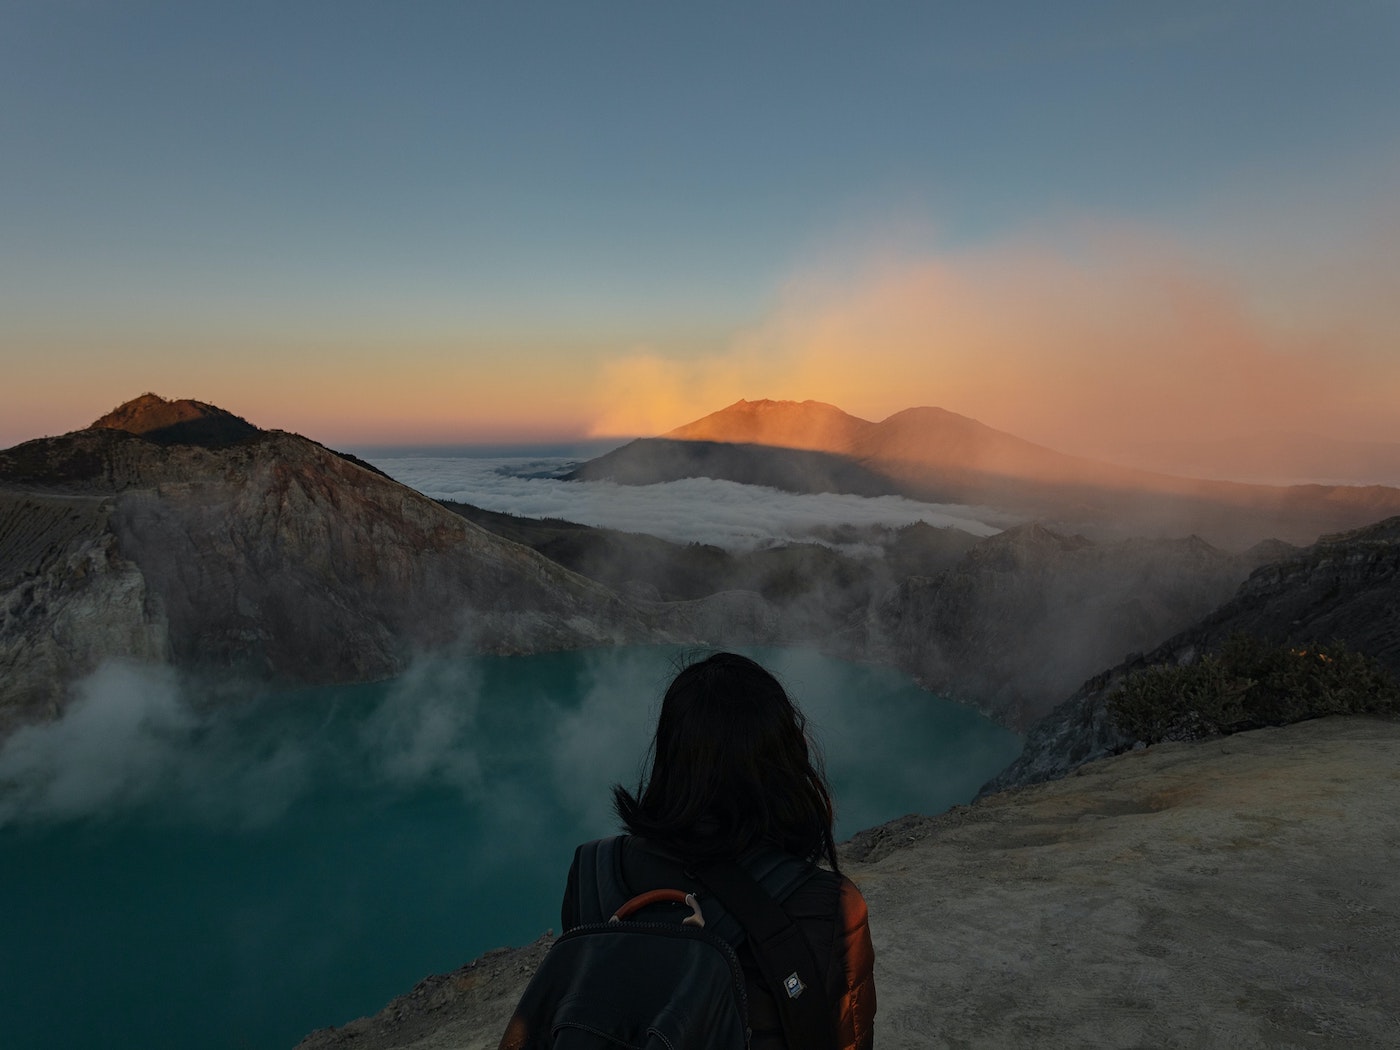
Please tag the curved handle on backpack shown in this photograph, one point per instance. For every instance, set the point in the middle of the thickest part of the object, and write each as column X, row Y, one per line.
column 641, row 900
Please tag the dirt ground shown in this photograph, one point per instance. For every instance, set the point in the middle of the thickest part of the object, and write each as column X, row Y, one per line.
column 1240, row 893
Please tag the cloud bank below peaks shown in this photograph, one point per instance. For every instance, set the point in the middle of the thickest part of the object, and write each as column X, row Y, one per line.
column 693, row 510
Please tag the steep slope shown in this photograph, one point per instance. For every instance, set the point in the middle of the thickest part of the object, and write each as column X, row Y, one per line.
column 1345, row 588
column 1020, row 619
column 267, row 556
column 939, row 456
column 1009, row 623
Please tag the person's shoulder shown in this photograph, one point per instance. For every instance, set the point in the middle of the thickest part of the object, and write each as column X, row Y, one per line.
column 854, row 912
column 817, row 896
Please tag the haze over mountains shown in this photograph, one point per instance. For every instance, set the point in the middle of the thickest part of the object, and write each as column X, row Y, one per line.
column 175, row 532
column 180, row 535
column 935, row 455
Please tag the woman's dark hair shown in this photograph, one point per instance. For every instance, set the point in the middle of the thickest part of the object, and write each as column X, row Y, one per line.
column 731, row 768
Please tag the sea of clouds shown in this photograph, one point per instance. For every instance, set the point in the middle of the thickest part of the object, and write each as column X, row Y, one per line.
column 693, row 510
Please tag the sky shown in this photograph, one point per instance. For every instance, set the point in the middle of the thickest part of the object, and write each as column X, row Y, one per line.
column 1097, row 225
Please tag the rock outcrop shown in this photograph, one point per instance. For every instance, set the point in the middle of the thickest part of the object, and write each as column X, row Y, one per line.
column 1234, row 893
column 1345, row 588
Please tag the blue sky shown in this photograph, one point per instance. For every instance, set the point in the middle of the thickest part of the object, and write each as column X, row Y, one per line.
column 467, row 213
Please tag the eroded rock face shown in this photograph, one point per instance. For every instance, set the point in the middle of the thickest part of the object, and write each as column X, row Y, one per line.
column 1345, row 588
column 68, row 600
column 1024, row 617
column 1009, row 623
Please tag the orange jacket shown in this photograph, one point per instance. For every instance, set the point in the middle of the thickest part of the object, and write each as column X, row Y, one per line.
column 856, row 1024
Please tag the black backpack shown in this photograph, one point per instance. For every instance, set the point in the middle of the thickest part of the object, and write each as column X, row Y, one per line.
column 658, row 971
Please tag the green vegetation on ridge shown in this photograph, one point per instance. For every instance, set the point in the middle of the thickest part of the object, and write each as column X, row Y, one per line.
column 1250, row 684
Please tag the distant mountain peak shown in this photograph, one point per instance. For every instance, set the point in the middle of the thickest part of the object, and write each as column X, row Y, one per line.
column 179, row 422
column 812, row 425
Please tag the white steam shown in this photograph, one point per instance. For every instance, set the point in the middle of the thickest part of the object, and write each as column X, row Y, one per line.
column 424, row 729
column 121, row 738
column 602, row 741
column 133, row 737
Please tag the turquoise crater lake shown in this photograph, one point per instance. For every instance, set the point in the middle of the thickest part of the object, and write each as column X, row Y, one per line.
column 177, row 878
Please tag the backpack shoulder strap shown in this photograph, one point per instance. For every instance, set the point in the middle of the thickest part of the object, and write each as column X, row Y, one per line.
column 783, row 955
column 600, row 887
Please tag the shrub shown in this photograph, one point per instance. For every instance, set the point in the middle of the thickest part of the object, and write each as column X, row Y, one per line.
column 1249, row 684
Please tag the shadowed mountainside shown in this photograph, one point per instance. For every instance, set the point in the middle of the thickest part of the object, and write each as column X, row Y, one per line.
column 938, row 456
column 1010, row 623
column 1345, row 588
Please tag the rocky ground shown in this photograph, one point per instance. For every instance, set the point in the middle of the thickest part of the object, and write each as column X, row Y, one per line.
column 1238, row 893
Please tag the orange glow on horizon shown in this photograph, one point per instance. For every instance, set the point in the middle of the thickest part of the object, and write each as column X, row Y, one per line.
column 1124, row 343
column 1118, row 342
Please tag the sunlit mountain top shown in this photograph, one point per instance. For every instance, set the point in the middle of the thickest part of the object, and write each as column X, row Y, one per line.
column 812, row 425
column 182, row 421
column 925, row 436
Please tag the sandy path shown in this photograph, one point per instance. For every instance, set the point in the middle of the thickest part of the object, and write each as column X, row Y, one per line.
column 1238, row 893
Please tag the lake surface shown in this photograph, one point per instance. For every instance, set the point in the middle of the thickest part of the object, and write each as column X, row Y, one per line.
column 172, row 878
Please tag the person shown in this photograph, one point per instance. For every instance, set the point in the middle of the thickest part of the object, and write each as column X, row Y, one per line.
column 732, row 771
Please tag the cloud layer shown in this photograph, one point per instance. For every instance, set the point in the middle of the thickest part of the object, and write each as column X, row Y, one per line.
column 693, row 510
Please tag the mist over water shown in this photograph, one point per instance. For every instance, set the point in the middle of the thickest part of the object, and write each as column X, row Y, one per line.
column 178, row 877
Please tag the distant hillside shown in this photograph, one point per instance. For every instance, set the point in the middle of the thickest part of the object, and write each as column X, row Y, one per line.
column 652, row 460
column 938, row 456
column 912, row 443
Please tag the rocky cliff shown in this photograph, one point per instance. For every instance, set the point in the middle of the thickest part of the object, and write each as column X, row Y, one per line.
column 1345, row 588
column 1023, row 616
